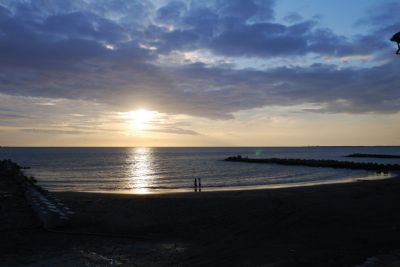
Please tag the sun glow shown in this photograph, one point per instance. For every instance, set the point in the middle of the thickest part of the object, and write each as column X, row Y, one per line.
column 141, row 119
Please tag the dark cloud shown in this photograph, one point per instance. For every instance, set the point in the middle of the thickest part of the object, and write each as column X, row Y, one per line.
column 253, row 40
column 171, row 12
column 80, row 25
column 246, row 9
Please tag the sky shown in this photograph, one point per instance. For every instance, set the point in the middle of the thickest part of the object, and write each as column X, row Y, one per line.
column 199, row 73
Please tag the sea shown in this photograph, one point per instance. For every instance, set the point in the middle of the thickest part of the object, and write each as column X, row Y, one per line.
column 147, row 170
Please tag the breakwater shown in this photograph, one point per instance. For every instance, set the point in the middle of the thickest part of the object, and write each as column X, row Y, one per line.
column 320, row 163
column 382, row 156
column 49, row 209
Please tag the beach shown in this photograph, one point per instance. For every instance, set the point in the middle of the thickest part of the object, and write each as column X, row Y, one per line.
column 328, row 225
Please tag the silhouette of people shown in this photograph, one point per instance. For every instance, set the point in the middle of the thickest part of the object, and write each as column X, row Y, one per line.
column 199, row 185
column 396, row 38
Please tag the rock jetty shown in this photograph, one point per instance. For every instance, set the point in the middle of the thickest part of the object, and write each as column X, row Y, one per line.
column 382, row 156
column 320, row 163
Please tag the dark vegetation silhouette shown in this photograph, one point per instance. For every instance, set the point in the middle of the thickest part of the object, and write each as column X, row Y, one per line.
column 396, row 38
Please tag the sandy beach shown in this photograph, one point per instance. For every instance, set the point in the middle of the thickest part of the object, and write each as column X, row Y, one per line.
column 328, row 225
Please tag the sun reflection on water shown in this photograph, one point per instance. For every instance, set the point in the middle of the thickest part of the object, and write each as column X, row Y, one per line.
column 140, row 170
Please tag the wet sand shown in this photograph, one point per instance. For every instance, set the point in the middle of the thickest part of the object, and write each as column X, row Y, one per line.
column 326, row 225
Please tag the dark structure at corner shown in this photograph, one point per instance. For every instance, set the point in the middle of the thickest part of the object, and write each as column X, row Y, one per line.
column 396, row 38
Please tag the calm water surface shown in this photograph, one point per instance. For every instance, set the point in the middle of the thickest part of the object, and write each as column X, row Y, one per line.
column 151, row 170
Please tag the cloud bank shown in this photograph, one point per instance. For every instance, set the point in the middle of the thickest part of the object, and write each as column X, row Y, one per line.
column 108, row 52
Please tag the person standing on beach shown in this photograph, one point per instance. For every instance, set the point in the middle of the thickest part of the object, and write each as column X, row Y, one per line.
column 195, row 184
column 199, row 183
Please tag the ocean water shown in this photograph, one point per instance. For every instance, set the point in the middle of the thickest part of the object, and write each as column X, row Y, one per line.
column 152, row 170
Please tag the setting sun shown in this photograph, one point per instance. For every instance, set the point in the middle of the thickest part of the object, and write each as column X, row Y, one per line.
column 140, row 119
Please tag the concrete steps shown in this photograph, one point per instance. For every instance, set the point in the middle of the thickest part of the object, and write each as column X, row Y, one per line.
column 50, row 210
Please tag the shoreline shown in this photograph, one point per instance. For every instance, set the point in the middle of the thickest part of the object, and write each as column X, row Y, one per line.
column 257, row 191
column 146, row 191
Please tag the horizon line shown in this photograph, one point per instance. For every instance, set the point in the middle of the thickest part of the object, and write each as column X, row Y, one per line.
column 262, row 146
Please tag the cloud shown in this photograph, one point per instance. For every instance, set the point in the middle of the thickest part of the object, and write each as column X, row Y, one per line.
column 171, row 11
column 293, row 17
column 12, row 116
column 243, row 28
column 217, row 92
column 105, row 52
column 358, row 90
column 381, row 14
column 173, row 130
column 55, row 132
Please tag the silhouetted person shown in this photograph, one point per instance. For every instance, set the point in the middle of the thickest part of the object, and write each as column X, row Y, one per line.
column 195, row 184
column 199, row 185
column 396, row 38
